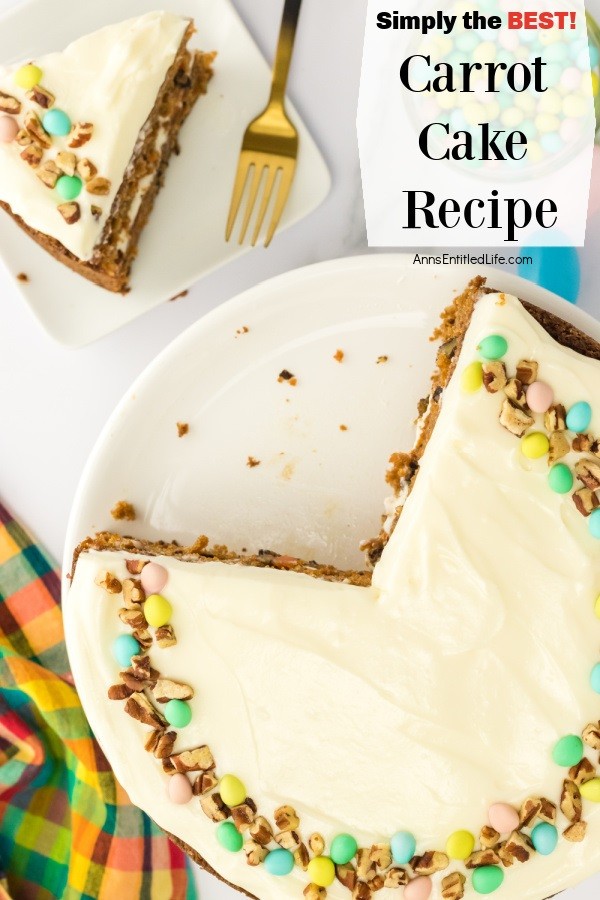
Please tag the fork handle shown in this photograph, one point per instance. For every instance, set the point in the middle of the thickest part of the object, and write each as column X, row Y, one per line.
column 285, row 46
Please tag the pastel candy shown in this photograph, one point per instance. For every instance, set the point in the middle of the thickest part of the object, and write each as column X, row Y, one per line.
column 568, row 751
column 343, row 848
column 590, row 790
column 69, row 187
column 460, row 845
column 503, row 817
column 178, row 713
column 579, row 417
column 232, row 790
column 229, row 837
column 540, row 397
column 56, row 122
column 124, row 647
column 279, row 862
column 403, row 846
column 28, row 76
column 9, row 129
column 153, row 578
column 472, row 378
column 594, row 523
column 179, row 789
column 595, row 678
column 544, row 838
column 157, row 610
column 560, row 478
column 418, row 889
column 321, row 871
column 494, row 346
column 535, row 445
column 487, row 879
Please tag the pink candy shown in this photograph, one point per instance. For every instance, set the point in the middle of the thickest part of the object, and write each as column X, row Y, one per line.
column 418, row 889
column 179, row 789
column 153, row 578
column 9, row 129
column 540, row 397
column 503, row 818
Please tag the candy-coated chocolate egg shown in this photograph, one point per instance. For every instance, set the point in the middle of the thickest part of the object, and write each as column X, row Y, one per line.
column 9, row 129
column 179, row 789
column 503, row 817
column 153, row 578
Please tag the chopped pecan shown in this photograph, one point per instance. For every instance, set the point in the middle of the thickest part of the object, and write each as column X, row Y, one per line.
column 517, row 847
column 289, row 840
column 109, row 582
column 494, row 376
column 586, row 501
column 168, row 767
column 346, row 875
column 9, row 104
column 41, row 96
column 164, row 744
column 453, row 886
column 570, row 801
column 32, row 155
column 430, row 862
column 261, row 831
column 133, row 592
column 365, row 867
column 527, row 371
column 377, row 883
column 36, row 130
column 582, row 443
column 143, row 637
column 515, row 420
column 556, row 418
column 316, row 842
column 133, row 616
column 200, row 759
column 530, row 810
column 479, row 858
column 595, row 447
column 243, row 815
column 301, row 857
column 96, row 211
column 131, row 680
column 547, row 811
column 396, row 877
column 134, row 566
column 591, row 735
column 80, row 134
column 582, row 772
column 166, row 690
column 575, row 832
column 488, row 837
column 205, row 782
column 98, row 186
column 314, row 892
column 71, row 212
column 139, row 707
column 86, row 170
column 214, row 807
column 165, row 637
column 361, row 891
column 255, row 854
column 141, row 668
column 559, row 447
column 119, row 692
column 286, row 818
column 381, row 855
column 588, row 472
column 48, row 173
column 23, row 138
column 66, row 162
column 515, row 392
column 152, row 740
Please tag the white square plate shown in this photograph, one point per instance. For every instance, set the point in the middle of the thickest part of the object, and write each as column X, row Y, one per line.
column 184, row 238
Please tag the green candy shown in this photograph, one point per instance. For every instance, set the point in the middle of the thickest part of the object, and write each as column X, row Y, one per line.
column 560, row 478
column 69, row 187
column 487, row 879
column 343, row 849
column 494, row 346
column 229, row 837
column 178, row 713
column 568, row 751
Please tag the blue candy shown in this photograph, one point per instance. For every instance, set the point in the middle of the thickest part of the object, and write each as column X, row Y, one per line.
column 544, row 838
column 403, row 846
column 595, row 678
column 124, row 647
column 579, row 417
column 279, row 862
column 56, row 122
column 594, row 524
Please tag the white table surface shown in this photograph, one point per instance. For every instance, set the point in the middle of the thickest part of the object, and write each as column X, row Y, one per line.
column 54, row 401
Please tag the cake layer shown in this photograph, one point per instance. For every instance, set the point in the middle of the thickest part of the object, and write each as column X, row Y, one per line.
column 412, row 704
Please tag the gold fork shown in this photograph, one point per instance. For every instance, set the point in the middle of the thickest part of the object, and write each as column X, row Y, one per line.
column 270, row 144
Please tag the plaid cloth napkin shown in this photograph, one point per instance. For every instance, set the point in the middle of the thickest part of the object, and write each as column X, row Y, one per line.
column 67, row 829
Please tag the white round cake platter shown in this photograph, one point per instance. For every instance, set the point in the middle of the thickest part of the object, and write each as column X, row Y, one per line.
column 294, row 464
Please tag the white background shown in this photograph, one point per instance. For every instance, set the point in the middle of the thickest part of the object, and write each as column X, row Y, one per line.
column 54, row 401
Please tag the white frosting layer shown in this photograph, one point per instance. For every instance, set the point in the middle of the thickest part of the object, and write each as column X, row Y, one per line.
column 109, row 78
column 413, row 704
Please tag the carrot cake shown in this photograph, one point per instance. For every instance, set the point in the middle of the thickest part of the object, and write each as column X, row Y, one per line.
column 86, row 136
column 427, row 729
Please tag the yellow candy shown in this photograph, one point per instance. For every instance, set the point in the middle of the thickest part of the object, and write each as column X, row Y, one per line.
column 157, row 610
column 321, row 871
column 595, row 84
column 590, row 790
column 28, row 76
column 232, row 790
column 472, row 378
column 460, row 845
column 597, row 606
column 535, row 445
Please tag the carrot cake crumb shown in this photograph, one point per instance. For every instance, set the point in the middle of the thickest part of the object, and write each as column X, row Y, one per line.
column 123, row 510
column 338, row 355
column 182, row 428
column 243, row 330
column 343, row 428
column 23, row 276
column 285, row 375
column 382, row 359
column 178, row 296
column 251, row 462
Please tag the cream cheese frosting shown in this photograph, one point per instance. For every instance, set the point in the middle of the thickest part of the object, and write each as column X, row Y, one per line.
column 410, row 705
column 110, row 78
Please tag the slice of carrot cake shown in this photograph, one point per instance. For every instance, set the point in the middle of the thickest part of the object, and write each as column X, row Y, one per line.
column 86, row 136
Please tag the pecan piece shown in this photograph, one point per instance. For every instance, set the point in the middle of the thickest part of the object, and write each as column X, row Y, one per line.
column 575, row 832
column 214, row 807
column 314, row 892
column 165, row 636
column 200, row 759
column 361, row 891
column 588, row 472
column 133, row 566
column 9, row 104
column 556, row 418
column 430, row 862
column 289, row 840
column 71, row 212
column 86, row 170
column 365, row 867
column 255, row 854
column 518, row 848
column 143, row 637
column 582, row 443
column 66, row 162
column 515, row 392
column 582, row 772
column 139, row 707
column 514, row 419
column 530, row 809
column 152, row 741
column 286, row 818
column 23, row 138
column 32, row 155
column 261, row 831
column 489, row 837
column 96, row 211
column 164, row 744
column 381, row 855
column 36, row 130
column 453, row 886
column 80, row 134
column 244, row 814
column 166, row 690
column 48, row 173
column 570, row 801
column 205, row 782
column 316, row 842
column 479, row 858
column 143, row 671
column 591, row 735
column 346, row 875
column 559, row 447
column 134, row 617
column 301, row 857
column 98, row 186
column 41, row 96
column 396, row 877
column 494, row 376
column 547, row 811
column 119, row 692
column 109, row 582
column 527, row 371
column 133, row 592
column 586, row 501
